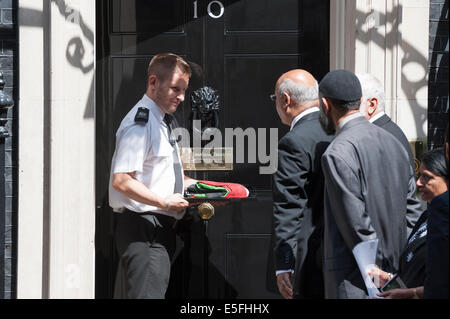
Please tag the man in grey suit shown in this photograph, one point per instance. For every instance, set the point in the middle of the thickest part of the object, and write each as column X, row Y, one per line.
column 366, row 188
column 372, row 108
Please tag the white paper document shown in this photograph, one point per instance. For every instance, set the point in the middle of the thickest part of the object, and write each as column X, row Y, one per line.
column 365, row 255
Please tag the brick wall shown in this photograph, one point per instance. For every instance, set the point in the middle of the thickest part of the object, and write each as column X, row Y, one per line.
column 438, row 104
column 8, row 50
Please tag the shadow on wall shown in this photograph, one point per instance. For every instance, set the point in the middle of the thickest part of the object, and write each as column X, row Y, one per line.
column 411, row 87
column 76, row 47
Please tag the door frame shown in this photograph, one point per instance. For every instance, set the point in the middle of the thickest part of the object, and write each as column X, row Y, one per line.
column 56, row 156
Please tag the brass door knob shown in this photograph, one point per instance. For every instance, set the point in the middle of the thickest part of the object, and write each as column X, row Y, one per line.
column 206, row 211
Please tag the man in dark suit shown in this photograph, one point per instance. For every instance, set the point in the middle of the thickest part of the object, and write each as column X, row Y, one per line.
column 372, row 108
column 366, row 188
column 298, row 188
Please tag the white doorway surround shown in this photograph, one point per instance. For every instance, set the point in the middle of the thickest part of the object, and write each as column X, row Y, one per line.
column 389, row 39
column 56, row 206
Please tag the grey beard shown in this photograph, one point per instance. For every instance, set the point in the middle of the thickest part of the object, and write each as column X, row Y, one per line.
column 326, row 124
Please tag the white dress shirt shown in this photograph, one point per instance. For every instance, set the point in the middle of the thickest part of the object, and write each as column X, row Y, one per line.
column 376, row 117
column 144, row 149
column 305, row 112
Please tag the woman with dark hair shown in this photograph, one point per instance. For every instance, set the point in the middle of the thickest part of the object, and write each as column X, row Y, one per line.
column 432, row 182
column 437, row 282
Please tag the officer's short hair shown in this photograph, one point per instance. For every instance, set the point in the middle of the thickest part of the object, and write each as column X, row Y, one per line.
column 163, row 65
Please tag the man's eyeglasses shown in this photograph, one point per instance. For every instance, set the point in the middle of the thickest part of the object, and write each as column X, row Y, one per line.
column 273, row 97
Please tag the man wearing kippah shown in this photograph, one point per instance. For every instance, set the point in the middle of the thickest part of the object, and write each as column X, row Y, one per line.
column 366, row 186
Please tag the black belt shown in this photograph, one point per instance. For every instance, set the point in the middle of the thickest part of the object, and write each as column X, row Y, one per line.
column 165, row 220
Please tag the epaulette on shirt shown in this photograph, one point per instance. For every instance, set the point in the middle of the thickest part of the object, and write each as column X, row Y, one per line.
column 141, row 116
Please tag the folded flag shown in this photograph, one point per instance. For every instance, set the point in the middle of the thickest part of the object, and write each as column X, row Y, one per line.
column 209, row 189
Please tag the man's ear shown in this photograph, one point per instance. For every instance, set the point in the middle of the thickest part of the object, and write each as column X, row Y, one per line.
column 326, row 105
column 372, row 106
column 152, row 81
column 286, row 99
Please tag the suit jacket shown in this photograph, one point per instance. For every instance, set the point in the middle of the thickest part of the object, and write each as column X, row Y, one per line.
column 414, row 205
column 366, row 189
column 298, row 205
column 386, row 123
column 436, row 283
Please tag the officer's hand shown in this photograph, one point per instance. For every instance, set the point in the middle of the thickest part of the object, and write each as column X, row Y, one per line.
column 177, row 203
column 284, row 284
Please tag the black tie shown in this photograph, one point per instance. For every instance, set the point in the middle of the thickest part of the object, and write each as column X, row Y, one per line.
column 171, row 123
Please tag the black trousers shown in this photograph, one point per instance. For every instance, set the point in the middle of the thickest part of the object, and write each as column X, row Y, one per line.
column 146, row 244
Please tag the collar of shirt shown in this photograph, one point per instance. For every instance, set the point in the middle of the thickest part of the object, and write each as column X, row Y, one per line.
column 154, row 108
column 376, row 117
column 346, row 120
column 155, row 157
column 305, row 112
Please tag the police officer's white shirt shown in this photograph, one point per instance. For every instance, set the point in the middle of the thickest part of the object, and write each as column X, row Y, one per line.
column 144, row 149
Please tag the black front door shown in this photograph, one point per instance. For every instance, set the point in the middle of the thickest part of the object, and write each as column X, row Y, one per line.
column 239, row 48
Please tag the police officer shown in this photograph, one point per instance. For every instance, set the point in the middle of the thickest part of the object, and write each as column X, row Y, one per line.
column 147, row 182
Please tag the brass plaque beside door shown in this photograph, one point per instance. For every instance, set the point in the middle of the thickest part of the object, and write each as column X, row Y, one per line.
column 207, row 158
